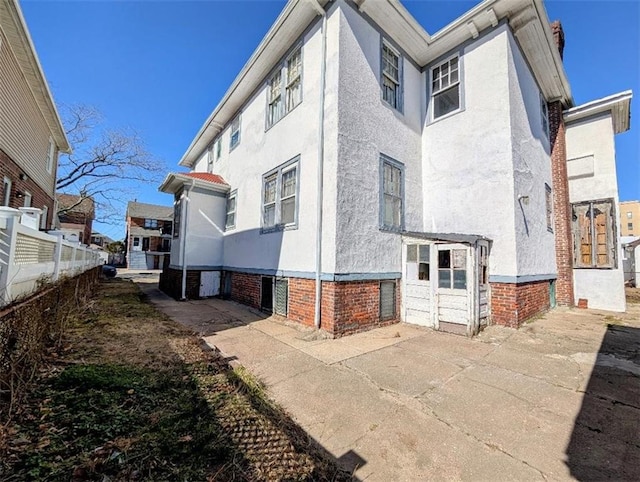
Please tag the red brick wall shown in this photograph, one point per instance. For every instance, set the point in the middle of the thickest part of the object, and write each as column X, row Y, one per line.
column 245, row 288
column 512, row 304
column 171, row 283
column 39, row 197
column 561, row 206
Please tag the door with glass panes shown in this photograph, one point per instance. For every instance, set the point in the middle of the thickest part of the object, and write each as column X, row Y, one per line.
column 454, row 285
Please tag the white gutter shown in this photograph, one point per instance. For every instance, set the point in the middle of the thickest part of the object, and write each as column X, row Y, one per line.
column 185, row 216
column 320, row 197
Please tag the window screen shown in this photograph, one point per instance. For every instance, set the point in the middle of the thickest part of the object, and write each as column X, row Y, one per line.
column 387, row 300
column 282, row 296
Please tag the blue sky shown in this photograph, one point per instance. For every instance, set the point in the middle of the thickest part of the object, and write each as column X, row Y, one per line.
column 160, row 67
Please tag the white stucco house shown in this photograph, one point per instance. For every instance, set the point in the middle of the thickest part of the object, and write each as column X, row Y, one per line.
column 360, row 171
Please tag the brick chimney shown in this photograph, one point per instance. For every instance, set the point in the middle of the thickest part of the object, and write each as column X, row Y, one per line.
column 558, row 36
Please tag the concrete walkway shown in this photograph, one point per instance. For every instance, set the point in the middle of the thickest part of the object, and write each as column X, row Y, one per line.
column 557, row 399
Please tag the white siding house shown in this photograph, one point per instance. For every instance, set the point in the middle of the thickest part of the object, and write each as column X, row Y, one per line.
column 415, row 176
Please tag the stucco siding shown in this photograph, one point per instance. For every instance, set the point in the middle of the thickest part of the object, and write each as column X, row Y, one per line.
column 205, row 225
column 24, row 134
column 468, row 180
column 368, row 127
column 591, row 143
column 535, row 246
column 260, row 150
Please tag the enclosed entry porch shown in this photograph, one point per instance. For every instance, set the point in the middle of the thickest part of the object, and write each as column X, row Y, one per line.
column 445, row 282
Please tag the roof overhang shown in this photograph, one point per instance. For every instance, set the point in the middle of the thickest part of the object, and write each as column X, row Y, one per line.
column 174, row 182
column 15, row 29
column 527, row 19
column 619, row 105
column 445, row 237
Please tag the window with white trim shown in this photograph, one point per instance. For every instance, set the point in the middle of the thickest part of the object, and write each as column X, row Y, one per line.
column 210, row 159
column 280, row 197
column 284, row 88
column 392, row 199
column 629, row 215
column 51, row 154
column 230, row 221
column 391, row 76
column 594, row 237
column 235, row 133
column 544, row 116
column 27, row 199
column 445, row 87
column 151, row 223
column 549, row 206
column 6, row 191
column 218, row 148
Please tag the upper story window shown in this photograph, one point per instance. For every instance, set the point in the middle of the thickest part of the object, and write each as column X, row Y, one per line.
column 549, row 205
column 284, row 88
column 177, row 213
column 51, row 154
column 210, row 159
column 235, row 133
column 218, row 149
column 391, row 76
column 280, row 197
column 593, row 234
column 392, row 194
column 230, row 221
column 27, row 199
column 629, row 215
column 544, row 116
column 151, row 223
column 445, row 87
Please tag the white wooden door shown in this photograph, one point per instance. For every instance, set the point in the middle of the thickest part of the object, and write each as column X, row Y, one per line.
column 454, row 285
column 209, row 284
column 417, row 297
column 137, row 244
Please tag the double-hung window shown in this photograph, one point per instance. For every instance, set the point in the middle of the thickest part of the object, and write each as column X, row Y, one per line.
column 594, row 234
column 218, row 149
column 151, row 223
column 284, row 88
column 391, row 76
column 294, row 80
column 51, row 154
column 210, row 159
column 235, row 133
column 230, row 221
column 544, row 116
column 392, row 198
column 445, row 87
column 280, row 197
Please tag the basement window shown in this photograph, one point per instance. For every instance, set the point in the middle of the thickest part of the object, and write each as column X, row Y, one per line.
column 387, row 300
column 445, row 87
column 594, row 234
column 282, row 296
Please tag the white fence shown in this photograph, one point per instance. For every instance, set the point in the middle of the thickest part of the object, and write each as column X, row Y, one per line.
column 30, row 258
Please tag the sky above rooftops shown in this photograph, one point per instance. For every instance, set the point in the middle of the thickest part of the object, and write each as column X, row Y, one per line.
column 161, row 67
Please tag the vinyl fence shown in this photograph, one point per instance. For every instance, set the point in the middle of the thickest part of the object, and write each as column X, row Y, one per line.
column 30, row 258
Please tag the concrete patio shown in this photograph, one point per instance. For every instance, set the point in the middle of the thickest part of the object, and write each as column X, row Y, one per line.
column 557, row 399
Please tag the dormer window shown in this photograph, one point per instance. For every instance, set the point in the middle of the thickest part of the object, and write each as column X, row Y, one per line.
column 445, row 87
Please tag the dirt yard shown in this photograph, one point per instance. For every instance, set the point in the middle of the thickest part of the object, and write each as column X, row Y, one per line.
column 134, row 396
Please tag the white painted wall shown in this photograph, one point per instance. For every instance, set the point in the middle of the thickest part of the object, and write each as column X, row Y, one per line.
column 260, row 151
column 205, row 228
column 535, row 243
column 368, row 127
column 593, row 139
column 468, row 179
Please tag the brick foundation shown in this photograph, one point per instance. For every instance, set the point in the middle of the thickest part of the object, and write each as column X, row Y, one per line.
column 346, row 307
column 512, row 304
column 171, row 283
column 39, row 197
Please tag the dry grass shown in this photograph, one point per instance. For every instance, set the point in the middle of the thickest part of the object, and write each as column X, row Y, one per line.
column 633, row 295
column 133, row 396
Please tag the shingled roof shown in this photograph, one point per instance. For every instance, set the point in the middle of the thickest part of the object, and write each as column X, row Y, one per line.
column 76, row 204
column 149, row 211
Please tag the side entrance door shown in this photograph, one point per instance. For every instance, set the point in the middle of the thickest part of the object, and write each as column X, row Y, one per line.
column 454, row 285
column 417, row 296
column 209, row 284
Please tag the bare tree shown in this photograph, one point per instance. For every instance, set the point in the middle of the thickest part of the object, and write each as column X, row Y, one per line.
column 106, row 165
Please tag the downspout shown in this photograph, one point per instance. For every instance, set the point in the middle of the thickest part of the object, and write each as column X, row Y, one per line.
column 319, row 201
column 185, row 215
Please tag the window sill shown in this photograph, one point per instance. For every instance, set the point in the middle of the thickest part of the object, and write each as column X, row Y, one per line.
column 391, row 229
column 278, row 227
column 446, row 116
column 233, row 147
column 269, row 127
column 396, row 110
column 229, row 228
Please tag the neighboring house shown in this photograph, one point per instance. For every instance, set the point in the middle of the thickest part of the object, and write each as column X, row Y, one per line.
column 148, row 238
column 630, row 218
column 101, row 240
column 31, row 133
column 360, row 171
column 75, row 216
column 631, row 253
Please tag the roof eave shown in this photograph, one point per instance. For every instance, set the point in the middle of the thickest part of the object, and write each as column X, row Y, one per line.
column 174, row 182
column 21, row 43
column 619, row 105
